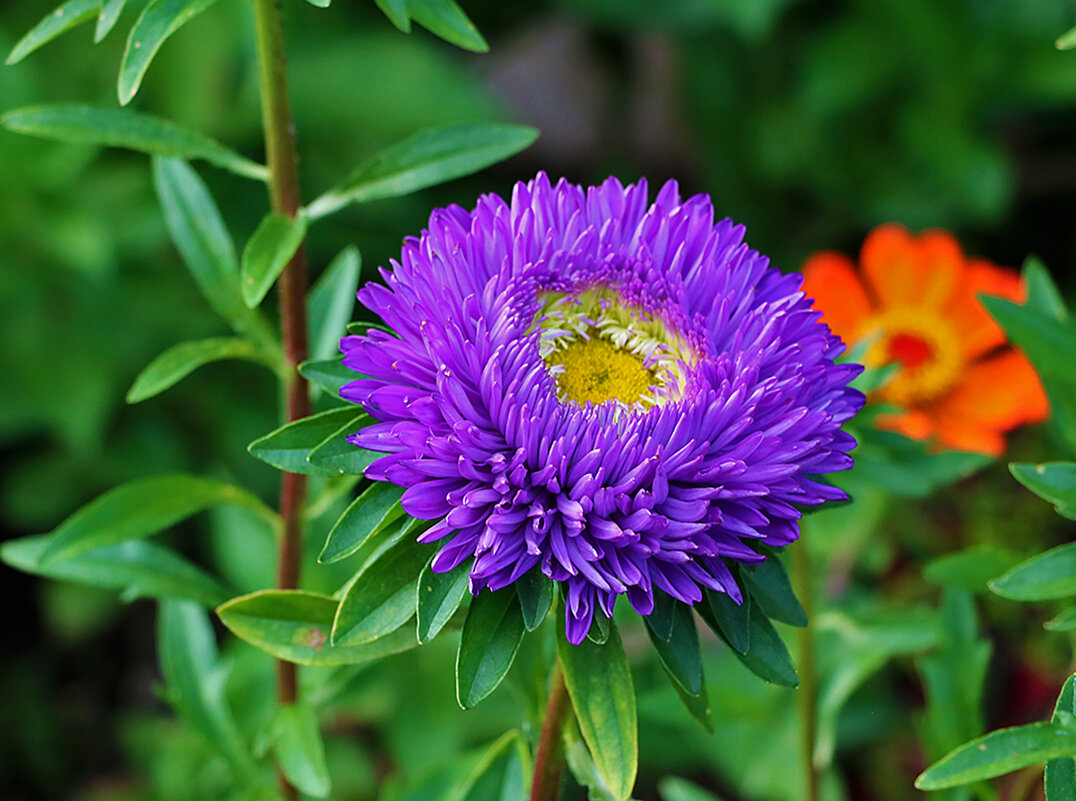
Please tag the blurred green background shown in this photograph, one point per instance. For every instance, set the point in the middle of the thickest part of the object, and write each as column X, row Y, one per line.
column 808, row 120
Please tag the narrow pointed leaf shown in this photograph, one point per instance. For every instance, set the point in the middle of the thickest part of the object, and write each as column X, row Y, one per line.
column 439, row 596
column 729, row 620
column 203, row 241
column 1044, row 577
column 673, row 788
column 768, row 657
column 140, row 508
column 288, row 447
column 332, row 302
column 135, row 568
column 427, row 158
column 383, row 597
column 320, row 3
column 1054, row 482
column 446, row 20
column 698, row 706
column 535, row 597
column 295, row 625
column 503, row 774
column 63, row 19
column 299, row 749
column 660, row 622
column 396, row 11
column 107, row 19
column 599, row 684
column 374, row 510
column 1067, row 40
column 187, row 650
column 339, row 455
column 1000, row 752
column 772, row 591
column 679, row 653
column 181, row 360
column 489, row 641
column 267, row 253
column 1060, row 776
column 1042, row 293
column 128, row 129
column 600, row 627
column 1066, row 621
column 329, row 374
column 159, row 20
column 972, row 568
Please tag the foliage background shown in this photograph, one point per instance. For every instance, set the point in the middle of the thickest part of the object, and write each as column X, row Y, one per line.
column 809, row 121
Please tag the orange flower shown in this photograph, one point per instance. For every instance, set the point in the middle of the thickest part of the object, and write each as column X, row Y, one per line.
column 915, row 301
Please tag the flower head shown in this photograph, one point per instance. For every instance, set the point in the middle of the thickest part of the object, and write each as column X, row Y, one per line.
column 619, row 394
column 915, row 302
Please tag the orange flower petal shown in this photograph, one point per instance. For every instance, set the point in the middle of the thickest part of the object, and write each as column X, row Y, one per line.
column 830, row 278
column 976, row 330
column 998, row 393
column 912, row 423
column 972, row 439
column 907, row 271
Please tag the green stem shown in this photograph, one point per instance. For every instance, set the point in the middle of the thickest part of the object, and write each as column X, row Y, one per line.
column 285, row 198
column 549, row 758
column 807, row 694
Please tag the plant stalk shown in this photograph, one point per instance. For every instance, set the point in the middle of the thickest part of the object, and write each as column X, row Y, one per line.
column 549, row 758
column 284, row 196
column 807, row 694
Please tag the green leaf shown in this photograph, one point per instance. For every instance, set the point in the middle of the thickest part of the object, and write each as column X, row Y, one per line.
column 181, row 360
column 294, row 625
column 445, row 19
column 331, row 304
column 1042, row 293
column 372, row 511
column 320, row 3
column 430, row 157
column 159, row 20
column 206, row 247
column 698, row 706
column 268, row 252
column 328, row 374
column 339, row 455
column 1060, row 776
column 599, row 683
column 679, row 654
column 63, row 19
column 768, row 656
column 299, row 749
column 439, row 596
column 971, row 568
column 490, row 638
column 1000, row 752
column 1043, row 577
column 396, row 11
column 143, row 507
column 187, row 651
column 379, row 543
column 582, row 766
column 503, row 774
column 535, row 597
column 906, row 468
column 115, row 127
column 138, row 569
column 383, row 596
column 729, row 620
column 1067, row 40
column 288, row 447
column 600, row 627
column 772, row 591
column 107, row 19
column 1066, row 621
column 661, row 620
column 673, row 788
column 1054, row 482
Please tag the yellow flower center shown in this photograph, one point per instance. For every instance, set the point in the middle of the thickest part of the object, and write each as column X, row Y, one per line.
column 595, row 371
column 922, row 344
column 601, row 350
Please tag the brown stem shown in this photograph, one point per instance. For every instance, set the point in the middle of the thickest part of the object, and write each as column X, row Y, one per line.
column 549, row 758
column 806, row 694
column 284, row 196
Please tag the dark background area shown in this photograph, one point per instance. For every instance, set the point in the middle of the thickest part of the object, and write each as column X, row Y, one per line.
column 810, row 121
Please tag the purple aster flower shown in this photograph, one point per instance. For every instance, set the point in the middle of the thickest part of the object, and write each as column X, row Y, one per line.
column 620, row 394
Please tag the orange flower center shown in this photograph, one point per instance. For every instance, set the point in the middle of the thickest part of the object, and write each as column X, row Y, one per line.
column 924, row 346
